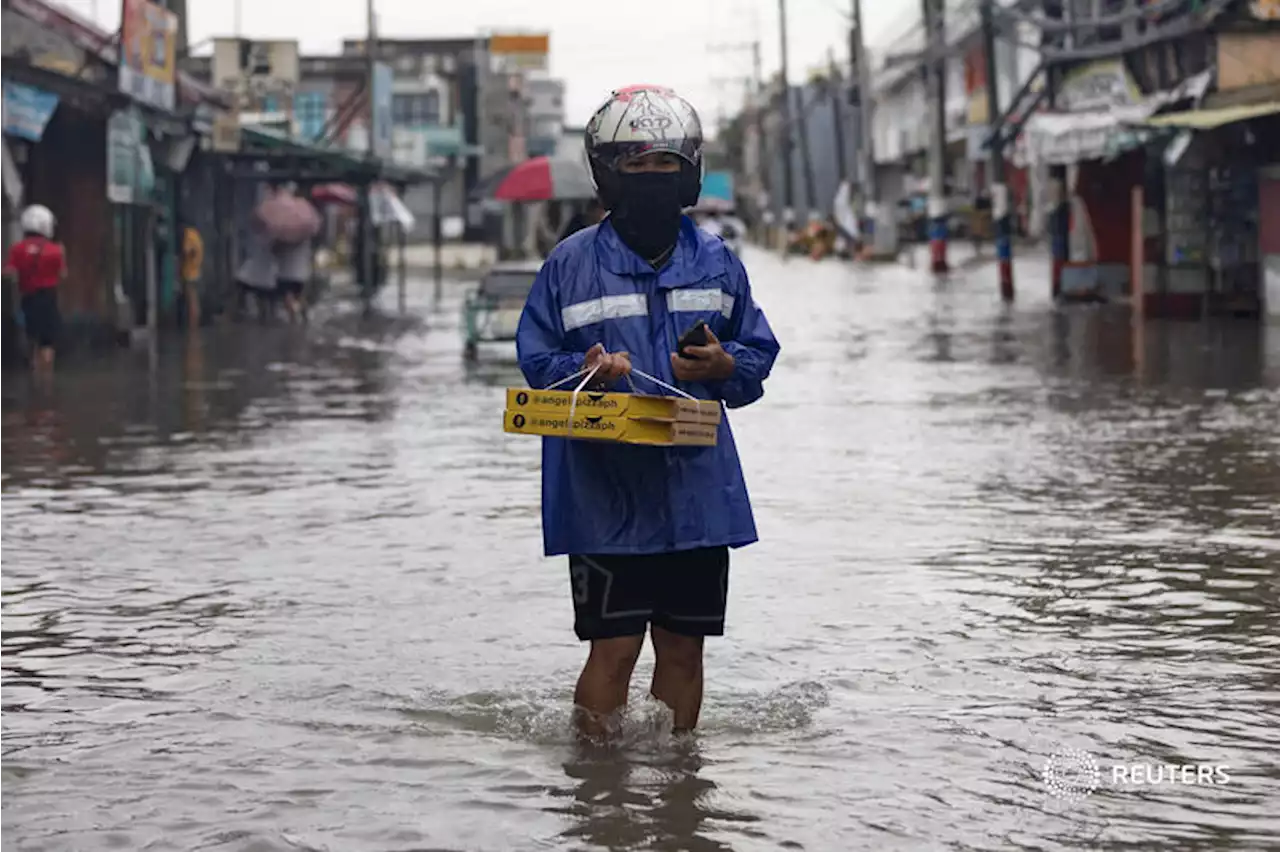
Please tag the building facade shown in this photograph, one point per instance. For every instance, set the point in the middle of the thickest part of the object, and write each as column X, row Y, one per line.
column 902, row 122
column 110, row 164
column 1164, row 143
column 437, row 116
column 544, row 108
column 823, row 105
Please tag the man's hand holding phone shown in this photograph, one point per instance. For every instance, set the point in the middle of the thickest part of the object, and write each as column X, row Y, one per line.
column 700, row 357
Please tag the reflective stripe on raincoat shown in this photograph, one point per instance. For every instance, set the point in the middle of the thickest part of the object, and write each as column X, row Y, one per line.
column 604, row 498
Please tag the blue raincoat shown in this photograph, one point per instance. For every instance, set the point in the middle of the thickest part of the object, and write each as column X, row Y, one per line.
column 605, row 498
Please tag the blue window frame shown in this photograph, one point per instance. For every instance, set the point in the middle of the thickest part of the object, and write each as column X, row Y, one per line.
column 310, row 110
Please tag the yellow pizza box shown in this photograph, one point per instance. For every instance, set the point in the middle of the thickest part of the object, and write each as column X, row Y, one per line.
column 630, row 405
column 620, row 430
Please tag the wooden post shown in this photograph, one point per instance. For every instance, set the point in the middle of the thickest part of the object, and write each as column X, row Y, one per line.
column 788, row 131
column 403, row 271
column 936, row 70
column 999, row 189
column 437, row 237
column 1137, row 287
column 1137, row 257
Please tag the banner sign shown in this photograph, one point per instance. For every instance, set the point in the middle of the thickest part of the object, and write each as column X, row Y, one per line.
column 27, row 110
column 148, row 54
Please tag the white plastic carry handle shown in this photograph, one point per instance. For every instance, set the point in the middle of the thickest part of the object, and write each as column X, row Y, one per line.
column 588, row 374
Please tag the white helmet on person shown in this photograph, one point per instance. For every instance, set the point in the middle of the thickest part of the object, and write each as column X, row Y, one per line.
column 38, row 219
column 639, row 120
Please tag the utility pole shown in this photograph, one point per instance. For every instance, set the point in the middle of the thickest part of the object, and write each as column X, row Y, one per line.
column 788, row 139
column 179, row 10
column 836, row 92
column 755, row 87
column 936, row 65
column 1059, row 220
column 762, row 147
column 806, row 155
column 869, row 211
column 999, row 190
column 368, row 259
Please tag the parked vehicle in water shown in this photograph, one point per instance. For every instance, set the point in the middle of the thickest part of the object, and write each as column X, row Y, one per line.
column 491, row 312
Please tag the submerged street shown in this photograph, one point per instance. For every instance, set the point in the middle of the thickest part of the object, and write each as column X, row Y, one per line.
column 286, row 591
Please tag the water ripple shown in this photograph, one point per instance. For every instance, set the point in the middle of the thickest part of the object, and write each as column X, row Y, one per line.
column 286, row 592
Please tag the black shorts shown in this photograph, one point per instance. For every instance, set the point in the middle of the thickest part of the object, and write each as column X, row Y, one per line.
column 290, row 286
column 685, row 592
column 41, row 316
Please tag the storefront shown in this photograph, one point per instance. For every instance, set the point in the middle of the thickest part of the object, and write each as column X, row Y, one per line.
column 27, row 113
column 1219, row 227
column 1096, row 139
column 107, row 162
column 64, row 168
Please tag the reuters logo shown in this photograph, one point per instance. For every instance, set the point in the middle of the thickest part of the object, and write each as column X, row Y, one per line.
column 1071, row 774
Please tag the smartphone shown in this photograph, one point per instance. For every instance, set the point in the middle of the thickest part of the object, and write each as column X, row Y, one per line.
column 695, row 336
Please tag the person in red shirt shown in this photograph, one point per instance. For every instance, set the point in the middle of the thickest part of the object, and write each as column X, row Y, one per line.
column 39, row 264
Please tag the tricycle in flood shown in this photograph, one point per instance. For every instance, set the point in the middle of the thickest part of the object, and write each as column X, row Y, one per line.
column 492, row 311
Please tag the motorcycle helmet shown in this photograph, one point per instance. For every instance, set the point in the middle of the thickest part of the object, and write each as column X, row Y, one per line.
column 638, row 120
column 38, row 219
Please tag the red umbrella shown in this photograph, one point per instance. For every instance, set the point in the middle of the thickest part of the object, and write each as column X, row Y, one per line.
column 289, row 218
column 545, row 179
column 334, row 193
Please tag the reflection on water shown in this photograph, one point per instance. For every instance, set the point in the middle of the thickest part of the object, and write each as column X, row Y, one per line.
column 282, row 589
column 658, row 802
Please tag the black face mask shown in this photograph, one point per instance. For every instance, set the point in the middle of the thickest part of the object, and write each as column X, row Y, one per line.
column 647, row 215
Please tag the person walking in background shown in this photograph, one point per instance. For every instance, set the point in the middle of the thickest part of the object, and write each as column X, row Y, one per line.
column 40, row 265
column 547, row 226
column 293, row 224
column 294, row 267
column 584, row 218
column 256, row 277
column 192, row 265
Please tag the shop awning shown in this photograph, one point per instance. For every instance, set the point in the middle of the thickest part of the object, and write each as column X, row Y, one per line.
column 1063, row 138
column 323, row 163
column 91, row 98
column 1208, row 119
column 1066, row 138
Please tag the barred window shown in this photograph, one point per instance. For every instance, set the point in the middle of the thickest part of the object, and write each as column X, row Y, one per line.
column 310, row 109
column 416, row 110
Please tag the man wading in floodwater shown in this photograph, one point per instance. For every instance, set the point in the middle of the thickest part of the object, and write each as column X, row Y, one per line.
column 647, row 529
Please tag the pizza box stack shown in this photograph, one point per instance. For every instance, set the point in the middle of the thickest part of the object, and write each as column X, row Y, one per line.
column 622, row 418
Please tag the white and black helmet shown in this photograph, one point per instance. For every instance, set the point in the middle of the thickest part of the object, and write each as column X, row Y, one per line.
column 38, row 219
column 639, row 120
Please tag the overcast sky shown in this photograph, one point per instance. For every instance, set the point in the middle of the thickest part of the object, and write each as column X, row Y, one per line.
column 596, row 45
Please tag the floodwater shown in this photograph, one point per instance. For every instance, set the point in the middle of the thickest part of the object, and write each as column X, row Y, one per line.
column 286, row 592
